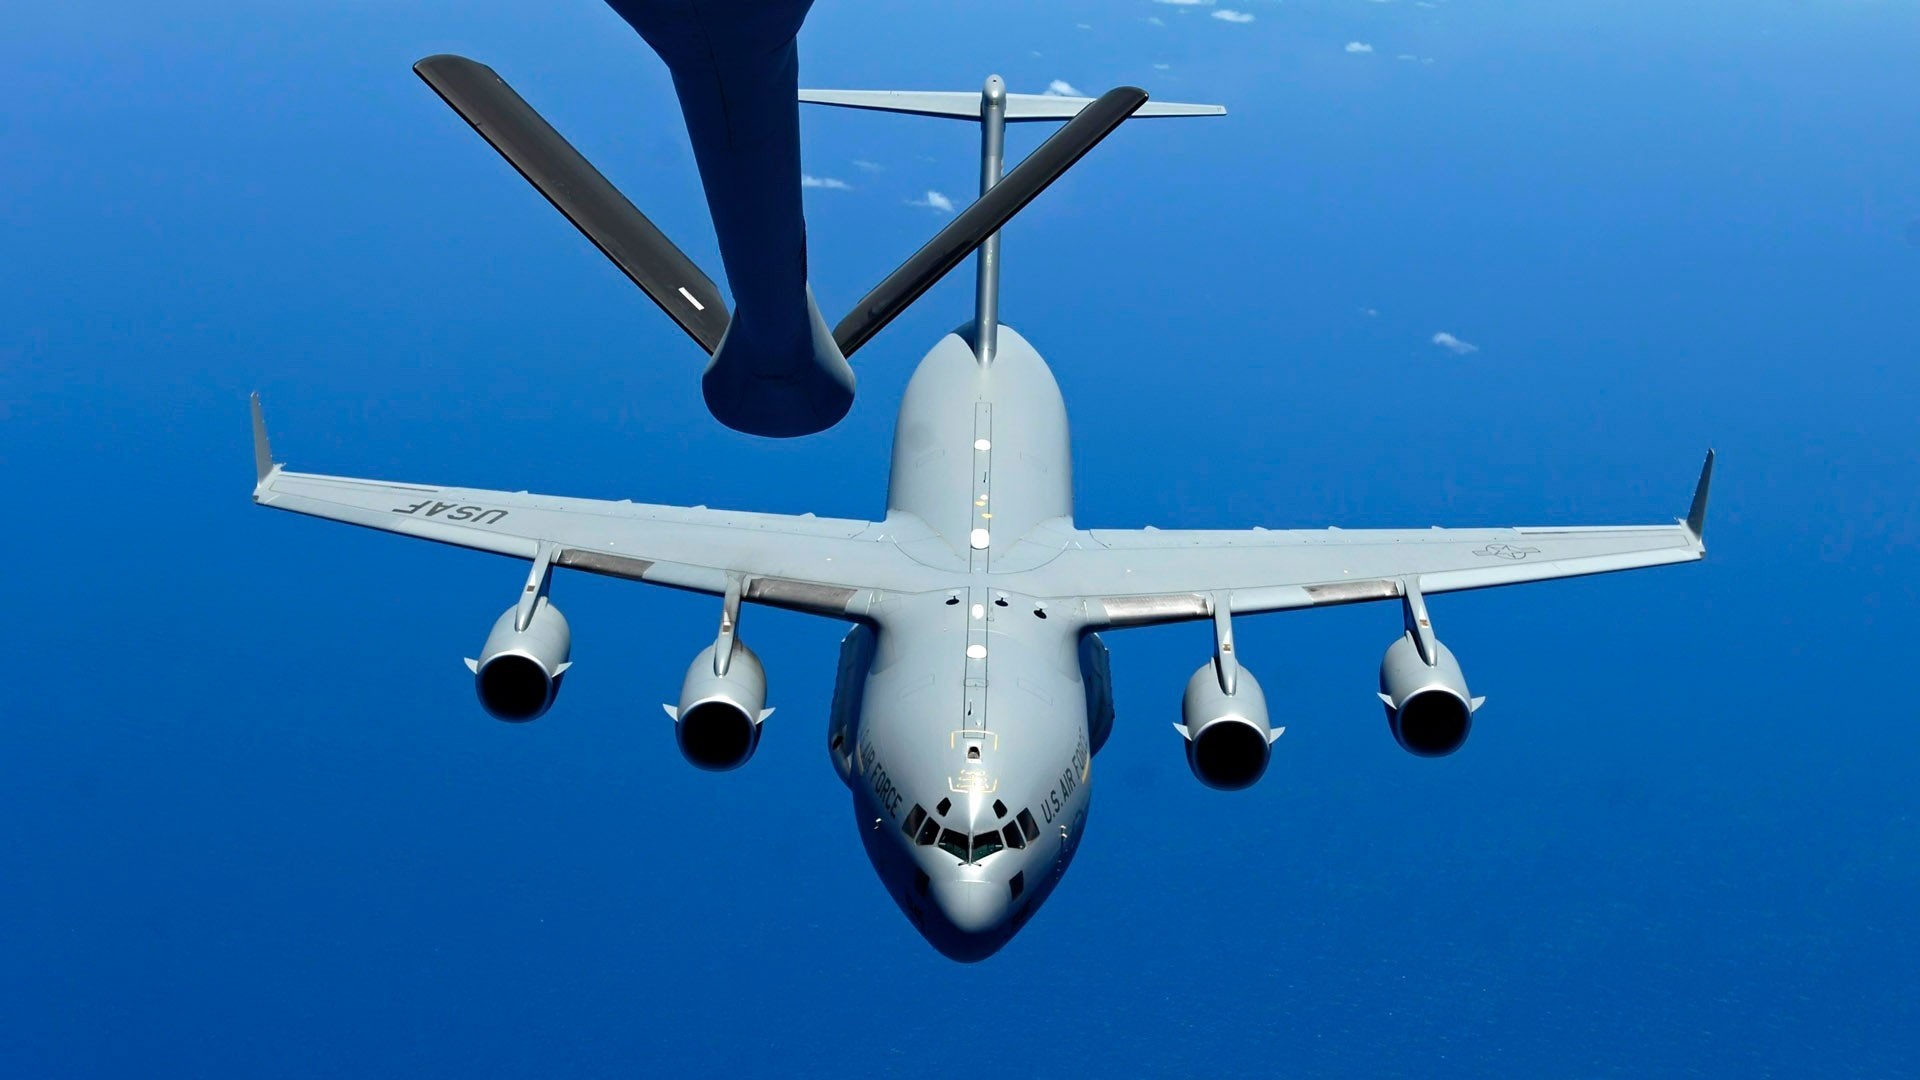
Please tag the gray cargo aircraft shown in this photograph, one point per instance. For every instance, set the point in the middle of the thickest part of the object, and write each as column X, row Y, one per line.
column 973, row 689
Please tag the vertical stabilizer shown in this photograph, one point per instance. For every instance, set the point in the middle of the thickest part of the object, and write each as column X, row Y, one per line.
column 993, row 156
column 1002, row 193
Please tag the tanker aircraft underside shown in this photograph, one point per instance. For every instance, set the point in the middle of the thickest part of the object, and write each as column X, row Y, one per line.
column 973, row 688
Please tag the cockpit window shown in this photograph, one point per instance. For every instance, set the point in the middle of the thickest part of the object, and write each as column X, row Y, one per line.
column 954, row 844
column 925, row 829
column 1029, row 826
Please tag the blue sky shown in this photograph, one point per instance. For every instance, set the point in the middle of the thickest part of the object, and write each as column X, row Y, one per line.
column 253, row 823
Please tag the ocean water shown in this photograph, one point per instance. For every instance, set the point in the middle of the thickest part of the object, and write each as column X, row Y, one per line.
column 252, row 822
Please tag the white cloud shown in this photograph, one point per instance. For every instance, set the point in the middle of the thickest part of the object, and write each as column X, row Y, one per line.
column 934, row 201
column 828, row 182
column 1232, row 16
column 1406, row 56
column 1082, row 26
column 1453, row 344
column 1062, row 88
column 1155, row 20
column 1162, row 67
column 1359, row 47
column 868, row 166
column 1185, row 3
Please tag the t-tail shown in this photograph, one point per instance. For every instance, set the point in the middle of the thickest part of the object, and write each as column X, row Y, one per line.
column 1088, row 120
column 775, row 368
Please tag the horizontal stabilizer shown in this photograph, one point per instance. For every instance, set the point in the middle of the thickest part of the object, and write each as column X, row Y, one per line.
column 986, row 215
column 965, row 105
column 577, row 189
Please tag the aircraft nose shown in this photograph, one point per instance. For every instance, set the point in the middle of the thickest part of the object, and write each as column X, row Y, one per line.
column 972, row 907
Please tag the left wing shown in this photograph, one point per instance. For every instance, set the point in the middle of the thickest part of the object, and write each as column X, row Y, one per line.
column 1146, row 576
column 823, row 566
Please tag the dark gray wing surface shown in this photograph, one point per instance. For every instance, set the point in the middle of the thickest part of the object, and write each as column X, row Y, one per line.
column 580, row 192
column 985, row 216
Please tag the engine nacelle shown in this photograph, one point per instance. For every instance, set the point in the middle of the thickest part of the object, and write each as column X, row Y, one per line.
column 718, row 722
column 1228, row 737
column 1428, row 707
column 518, row 673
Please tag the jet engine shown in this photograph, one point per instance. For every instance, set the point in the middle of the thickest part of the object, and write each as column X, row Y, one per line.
column 1228, row 737
column 518, row 673
column 718, row 722
column 1428, row 707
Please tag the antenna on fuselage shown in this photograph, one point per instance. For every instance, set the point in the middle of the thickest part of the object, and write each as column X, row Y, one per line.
column 977, row 227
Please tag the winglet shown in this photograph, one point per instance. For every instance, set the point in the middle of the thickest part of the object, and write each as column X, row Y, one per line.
column 263, row 464
column 1697, row 513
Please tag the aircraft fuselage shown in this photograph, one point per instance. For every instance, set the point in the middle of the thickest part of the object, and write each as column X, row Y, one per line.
column 965, row 720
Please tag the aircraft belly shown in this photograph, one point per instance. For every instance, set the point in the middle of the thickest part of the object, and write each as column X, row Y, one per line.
column 978, row 744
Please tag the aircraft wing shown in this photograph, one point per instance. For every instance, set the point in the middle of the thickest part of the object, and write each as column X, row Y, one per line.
column 1148, row 576
column 823, row 566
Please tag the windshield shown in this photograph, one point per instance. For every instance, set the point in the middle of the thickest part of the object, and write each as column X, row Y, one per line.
column 926, row 830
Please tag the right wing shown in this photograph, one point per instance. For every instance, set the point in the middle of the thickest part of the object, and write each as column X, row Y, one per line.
column 822, row 566
column 1136, row 577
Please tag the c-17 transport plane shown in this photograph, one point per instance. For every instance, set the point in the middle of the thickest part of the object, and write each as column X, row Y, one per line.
column 973, row 689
